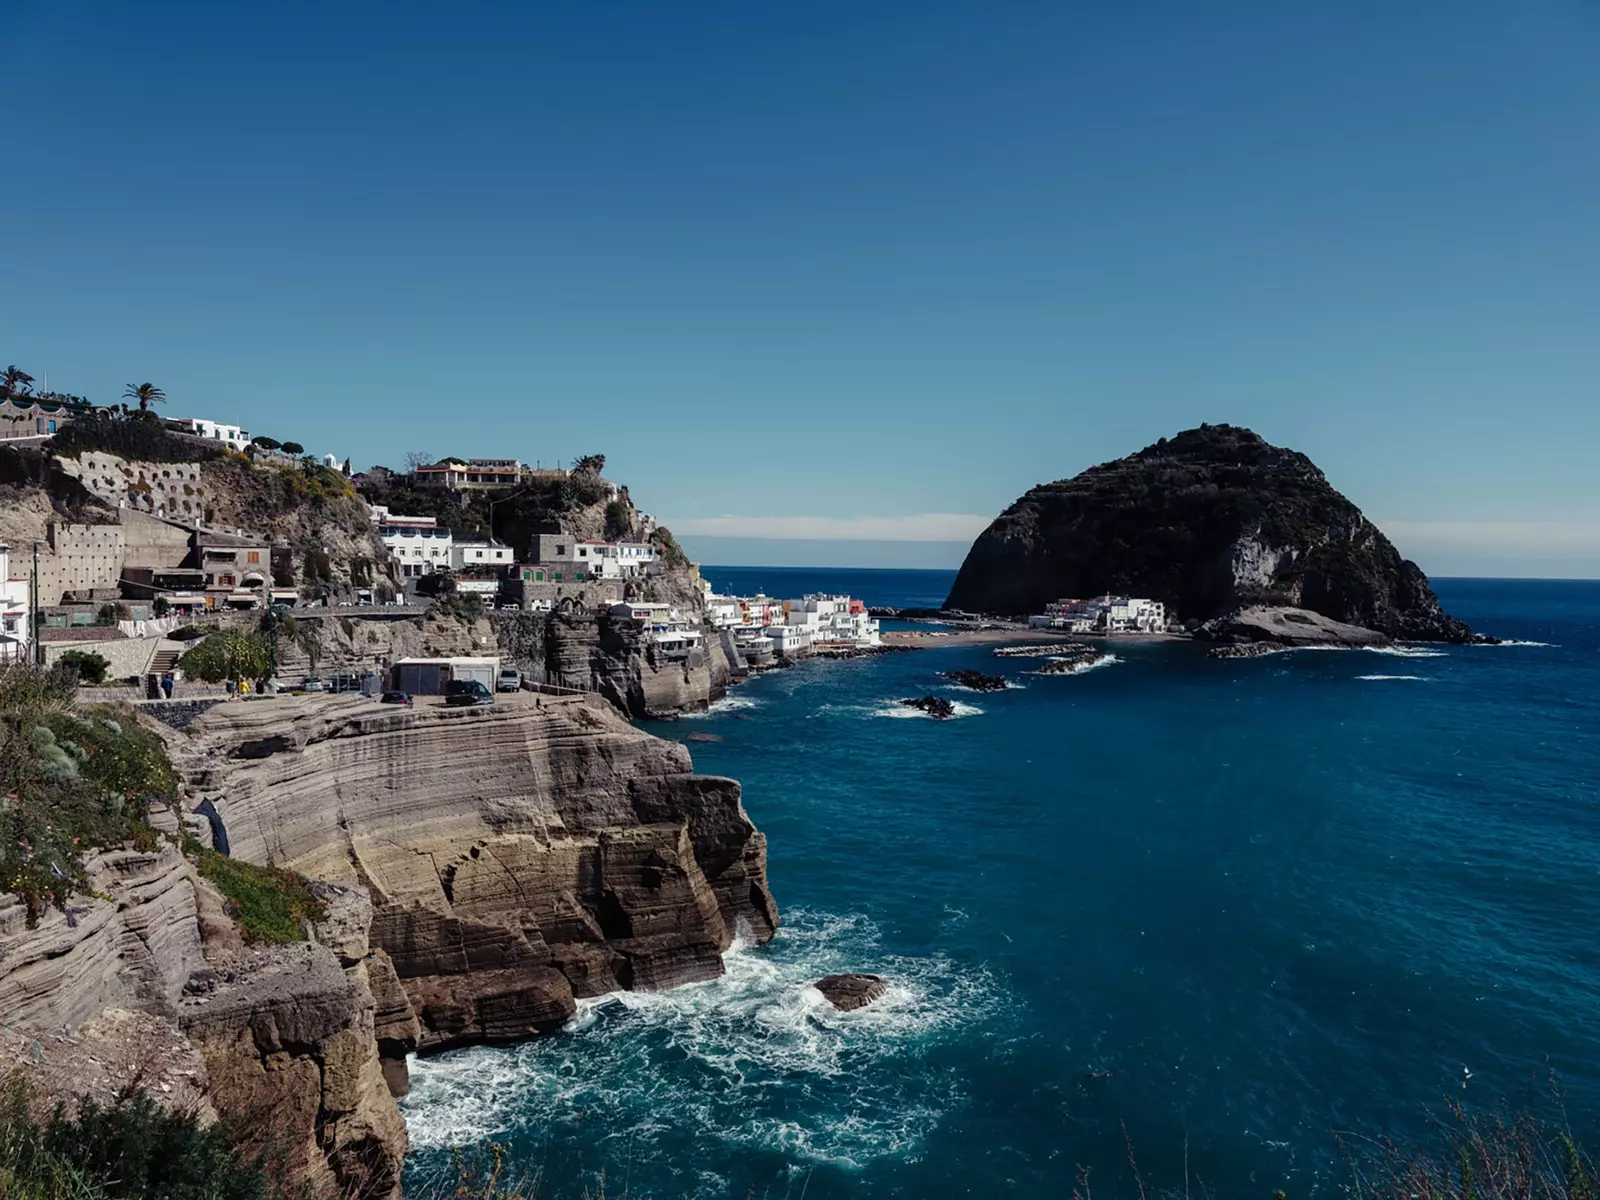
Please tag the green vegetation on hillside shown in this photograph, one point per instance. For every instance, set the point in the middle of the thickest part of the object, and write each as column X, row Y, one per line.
column 518, row 513
column 128, row 1150
column 269, row 903
column 71, row 781
column 230, row 654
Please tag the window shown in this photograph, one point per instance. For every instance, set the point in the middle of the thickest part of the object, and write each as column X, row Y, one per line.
column 560, row 549
column 538, row 576
column 224, row 580
column 254, row 556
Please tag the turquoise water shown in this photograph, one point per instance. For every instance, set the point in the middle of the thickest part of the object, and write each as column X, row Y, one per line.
column 1221, row 910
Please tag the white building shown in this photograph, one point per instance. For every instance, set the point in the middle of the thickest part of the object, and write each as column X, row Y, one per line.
column 469, row 556
column 230, row 436
column 16, row 612
column 724, row 612
column 833, row 620
column 1103, row 614
column 615, row 560
column 416, row 544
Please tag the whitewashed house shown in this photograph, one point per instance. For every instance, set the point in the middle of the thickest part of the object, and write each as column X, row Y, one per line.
column 416, row 544
column 469, row 556
column 16, row 612
column 231, row 436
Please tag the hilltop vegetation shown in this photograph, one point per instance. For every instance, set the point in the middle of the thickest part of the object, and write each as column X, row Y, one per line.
column 1206, row 521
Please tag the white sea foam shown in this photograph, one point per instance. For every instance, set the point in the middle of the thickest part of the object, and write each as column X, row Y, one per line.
column 894, row 708
column 757, row 1058
column 1418, row 678
column 1515, row 642
column 733, row 702
column 1405, row 651
column 1079, row 667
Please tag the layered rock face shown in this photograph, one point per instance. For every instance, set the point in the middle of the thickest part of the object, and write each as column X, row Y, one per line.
column 517, row 857
column 145, row 983
column 616, row 659
column 1209, row 521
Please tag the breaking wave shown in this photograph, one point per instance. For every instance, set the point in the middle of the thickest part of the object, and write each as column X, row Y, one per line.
column 756, row 1060
column 1079, row 668
column 729, row 703
column 1405, row 651
column 1516, row 642
column 1418, row 678
column 894, row 708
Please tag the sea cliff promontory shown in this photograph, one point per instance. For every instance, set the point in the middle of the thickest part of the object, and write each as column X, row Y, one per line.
column 467, row 874
column 1211, row 521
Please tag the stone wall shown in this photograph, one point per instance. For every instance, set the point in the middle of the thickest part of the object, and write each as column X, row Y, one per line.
column 127, row 656
column 161, row 489
column 151, row 542
column 81, row 557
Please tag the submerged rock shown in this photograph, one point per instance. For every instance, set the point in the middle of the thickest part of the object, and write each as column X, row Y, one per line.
column 703, row 737
column 936, row 707
column 977, row 681
column 850, row 992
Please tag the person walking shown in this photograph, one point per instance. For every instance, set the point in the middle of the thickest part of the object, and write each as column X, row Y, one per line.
column 167, row 684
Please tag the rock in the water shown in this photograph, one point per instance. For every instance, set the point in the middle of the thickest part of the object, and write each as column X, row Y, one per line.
column 703, row 737
column 936, row 707
column 1209, row 521
column 850, row 992
column 977, row 681
column 1286, row 627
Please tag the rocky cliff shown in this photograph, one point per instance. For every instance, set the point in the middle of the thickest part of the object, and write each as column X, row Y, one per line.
column 145, row 984
column 616, row 659
column 1209, row 521
column 517, row 857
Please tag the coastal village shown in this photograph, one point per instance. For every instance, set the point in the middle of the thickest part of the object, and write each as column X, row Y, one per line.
column 120, row 587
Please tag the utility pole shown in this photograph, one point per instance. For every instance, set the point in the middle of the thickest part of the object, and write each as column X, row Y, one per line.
column 35, row 648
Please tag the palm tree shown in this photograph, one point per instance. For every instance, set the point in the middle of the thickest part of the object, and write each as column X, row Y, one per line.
column 14, row 381
column 146, row 394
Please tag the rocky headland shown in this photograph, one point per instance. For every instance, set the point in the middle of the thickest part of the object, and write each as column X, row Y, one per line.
column 478, row 871
column 1212, row 522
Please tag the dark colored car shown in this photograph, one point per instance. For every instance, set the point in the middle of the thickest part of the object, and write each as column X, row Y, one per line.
column 462, row 693
column 395, row 698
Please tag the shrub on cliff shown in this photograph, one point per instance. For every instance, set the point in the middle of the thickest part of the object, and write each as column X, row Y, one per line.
column 109, row 432
column 71, row 781
column 131, row 1149
column 270, row 904
column 88, row 666
column 230, row 654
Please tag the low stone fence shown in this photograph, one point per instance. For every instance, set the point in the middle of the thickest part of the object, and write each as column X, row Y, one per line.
column 179, row 713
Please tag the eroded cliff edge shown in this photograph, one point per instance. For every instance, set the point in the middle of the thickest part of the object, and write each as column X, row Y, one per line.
column 517, row 857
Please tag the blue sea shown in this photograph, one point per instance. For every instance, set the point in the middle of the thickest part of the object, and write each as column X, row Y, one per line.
column 1233, row 915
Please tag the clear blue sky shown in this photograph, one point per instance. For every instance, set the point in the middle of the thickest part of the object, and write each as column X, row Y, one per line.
column 872, row 268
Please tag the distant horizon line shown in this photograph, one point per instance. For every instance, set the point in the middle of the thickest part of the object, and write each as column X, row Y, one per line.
column 954, row 570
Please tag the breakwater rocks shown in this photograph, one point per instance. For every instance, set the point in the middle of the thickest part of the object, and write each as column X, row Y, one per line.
column 518, row 857
column 976, row 681
column 936, row 707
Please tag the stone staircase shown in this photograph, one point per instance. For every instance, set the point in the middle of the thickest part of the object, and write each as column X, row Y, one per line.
column 166, row 659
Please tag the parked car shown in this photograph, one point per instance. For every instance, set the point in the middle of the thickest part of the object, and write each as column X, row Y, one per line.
column 395, row 698
column 312, row 684
column 345, row 681
column 510, row 680
column 463, row 693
